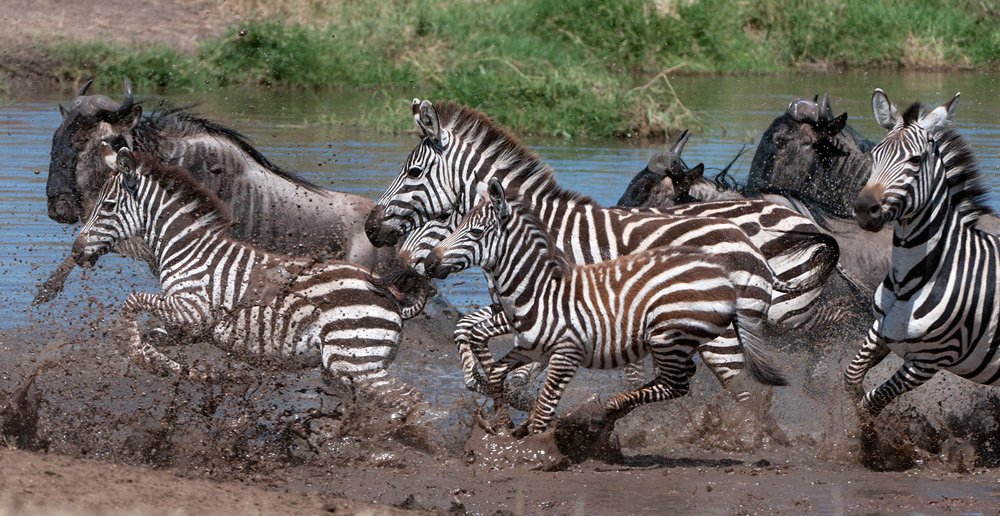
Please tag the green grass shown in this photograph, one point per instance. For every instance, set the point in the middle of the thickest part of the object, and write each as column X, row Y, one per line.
column 553, row 67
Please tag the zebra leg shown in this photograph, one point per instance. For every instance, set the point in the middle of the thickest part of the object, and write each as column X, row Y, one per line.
column 481, row 333
column 173, row 311
column 479, row 326
column 909, row 376
column 54, row 285
column 870, row 355
column 724, row 358
column 361, row 363
column 497, row 374
column 563, row 364
column 675, row 369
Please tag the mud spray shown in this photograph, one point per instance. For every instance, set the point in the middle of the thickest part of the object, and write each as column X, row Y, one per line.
column 69, row 388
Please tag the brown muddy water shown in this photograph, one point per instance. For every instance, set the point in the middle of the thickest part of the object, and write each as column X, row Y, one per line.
column 288, row 430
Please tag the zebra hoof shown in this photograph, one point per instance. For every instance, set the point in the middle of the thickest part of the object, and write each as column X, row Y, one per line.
column 521, row 431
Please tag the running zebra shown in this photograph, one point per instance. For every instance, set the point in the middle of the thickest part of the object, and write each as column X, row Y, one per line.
column 939, row 305
column 670, row 302
column 461, row 149
column 250, row 302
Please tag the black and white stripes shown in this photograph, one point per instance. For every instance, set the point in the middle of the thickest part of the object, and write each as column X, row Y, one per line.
column 461, row 150
column 939, row 305
column 250, row 302
column 670, row 302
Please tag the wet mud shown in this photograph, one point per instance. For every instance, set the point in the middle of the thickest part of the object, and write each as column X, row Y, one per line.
column 68, row 389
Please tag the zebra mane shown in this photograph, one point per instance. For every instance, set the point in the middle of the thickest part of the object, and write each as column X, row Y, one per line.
column 526, row 168
column 913, row 113
column 180, row 122
column 965, row 182
column 177, row 180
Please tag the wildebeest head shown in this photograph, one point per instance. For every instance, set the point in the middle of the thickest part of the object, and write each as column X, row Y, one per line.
column 76, row 157
column 808, row 150
column 664, row 170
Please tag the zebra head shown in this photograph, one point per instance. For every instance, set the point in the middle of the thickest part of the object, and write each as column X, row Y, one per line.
column 419, row 244
column 476, row 240
column 114, row 216
column 903, row 163
column 423, row 190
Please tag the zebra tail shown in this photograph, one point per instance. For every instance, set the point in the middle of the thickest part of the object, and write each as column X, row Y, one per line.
column 756, row 360
column 825, row 254
column 413, row 286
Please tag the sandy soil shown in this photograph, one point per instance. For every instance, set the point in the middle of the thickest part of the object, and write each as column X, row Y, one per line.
column 97, row 435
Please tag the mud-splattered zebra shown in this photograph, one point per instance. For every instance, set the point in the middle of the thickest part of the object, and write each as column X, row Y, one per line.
column 670, row 302
column 939, row 305
column 461, row 149
column 250, row 302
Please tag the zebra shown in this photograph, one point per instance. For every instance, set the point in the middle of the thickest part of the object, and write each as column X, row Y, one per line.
column 248, row 301
column 939, row 305
column 462, row 148
column 670, row 302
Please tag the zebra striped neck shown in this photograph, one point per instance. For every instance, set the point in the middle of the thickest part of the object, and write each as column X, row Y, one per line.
column 528, row 263
column 482, row 150
column 924, row 242
column 966, row 185
column 177, row 215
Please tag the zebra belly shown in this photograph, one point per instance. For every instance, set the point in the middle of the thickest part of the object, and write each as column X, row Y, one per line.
column 270, row 334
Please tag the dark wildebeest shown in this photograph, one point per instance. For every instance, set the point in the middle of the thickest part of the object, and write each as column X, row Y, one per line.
column 817, row 164
column 274, row 208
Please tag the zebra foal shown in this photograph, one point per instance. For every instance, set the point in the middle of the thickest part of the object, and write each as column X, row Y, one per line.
column 249, row 302
column 669, row 302
column 939, row 305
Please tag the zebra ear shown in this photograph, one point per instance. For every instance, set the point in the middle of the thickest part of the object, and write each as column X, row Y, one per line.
column 126, row 162
column 427, row 120
column 498, row 199
column 110, row 157
column 940, row 117
column 885, row 113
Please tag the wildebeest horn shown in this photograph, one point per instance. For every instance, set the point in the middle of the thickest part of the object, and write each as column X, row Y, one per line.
column 824, row 108
column 124, row 109
column 127, row 102
column 678, row 147
column 84, row 88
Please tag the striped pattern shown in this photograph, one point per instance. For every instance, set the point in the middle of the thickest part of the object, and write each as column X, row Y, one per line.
column 462, row 149
column 668, row 302
column 252, row 303
column 939, row 305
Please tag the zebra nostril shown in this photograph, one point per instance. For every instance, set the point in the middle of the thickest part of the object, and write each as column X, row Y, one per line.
column 875, row 209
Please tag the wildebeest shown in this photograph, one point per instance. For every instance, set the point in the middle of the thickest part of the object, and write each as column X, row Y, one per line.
column 864, row 256
column 810, row 151
column 273, row 208
column 804, row 176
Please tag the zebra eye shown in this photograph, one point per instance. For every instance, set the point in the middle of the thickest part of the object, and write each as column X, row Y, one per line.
column 414, row 172
column 476, row 232
column 110, row 205
column 914, row 160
